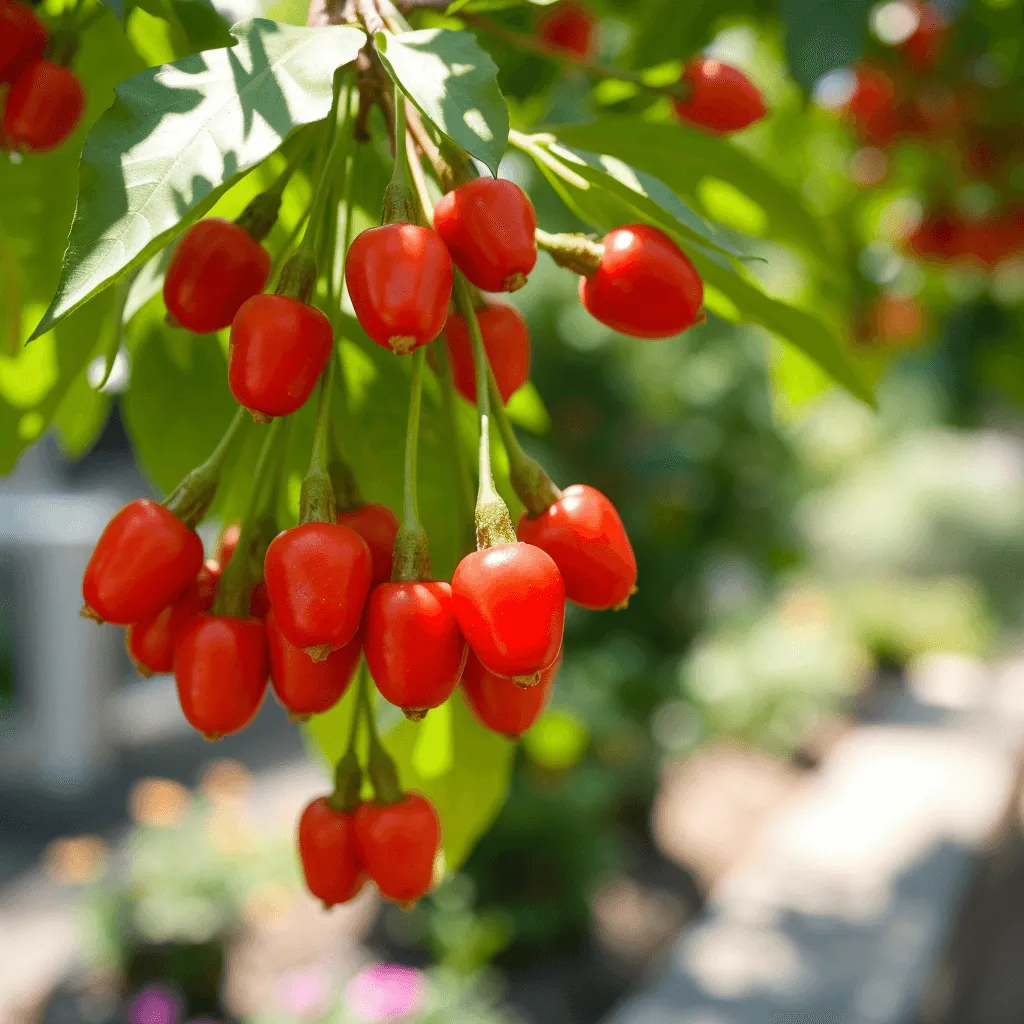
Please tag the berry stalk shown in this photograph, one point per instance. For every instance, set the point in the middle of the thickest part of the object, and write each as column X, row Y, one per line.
column 348, row 775
column 233, row 593
column 380, row 766
column 536, row 490
column 191, row 499
column 412, row 558
column 493, row 522
column 316, row 500
column 398, row 199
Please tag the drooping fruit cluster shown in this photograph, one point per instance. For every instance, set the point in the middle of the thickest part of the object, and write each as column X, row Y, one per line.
column 300, row 606
column 41, row 98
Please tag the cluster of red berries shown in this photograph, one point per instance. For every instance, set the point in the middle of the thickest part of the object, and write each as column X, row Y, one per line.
column 301, row 608
column 718, row 98
column 44, row 99
column 910, row 97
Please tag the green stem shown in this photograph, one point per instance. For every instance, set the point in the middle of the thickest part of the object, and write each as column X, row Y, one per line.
column 191, row 499
column 411, row 555
column 493, row 522
column 303, row 141
column 348, row 776
column 329, row 148
column 411, row 506
column 380, row 766
column 398, row 199
column 316, row 502
column 534, row 44
column 233, row 593
column 419, row 180
column 536, row 490
column 465, row 484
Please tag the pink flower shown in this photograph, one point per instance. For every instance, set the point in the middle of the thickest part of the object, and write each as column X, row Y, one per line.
column 304, row 994
column 385, row 991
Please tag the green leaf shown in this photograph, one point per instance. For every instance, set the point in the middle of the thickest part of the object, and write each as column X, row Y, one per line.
column 81, row 417
column 198, row 21
column 178, row 404
column 821, row 37
column 604, row 209
column 461, row 767
column 180, row 134
column 643, row 191
column 454, row 83
column 802, row 329
column 37, row 202
column 683, row 157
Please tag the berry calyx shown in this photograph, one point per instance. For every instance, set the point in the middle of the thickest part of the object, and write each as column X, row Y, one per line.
column 151, row 641
column 500, row 704
column 721, row 98
column 399, row 278
column 585, row 538
column 644, row 286
column 221, row 668
column 569, row 26
column 488, row 225
column 398, row 844
column 144, row 559
column 414, row 649
column 279, row 347
column 331, row 862
column 43, row 107
column 378, row 526
column 305, row 687
column 22, row 39
column 318, row 577
column 215, row 267
column 509, row 602
column 506, row 342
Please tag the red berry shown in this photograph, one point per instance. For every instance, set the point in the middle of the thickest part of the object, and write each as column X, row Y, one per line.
column 939, row 236
column 721, row 98
column 318, row 576
column 303, row 686
column 874, row 108
column 152, row 640
column 399, row 279
column 22, row 38
column 143, row 560
column 506, row 341
column 645, row 286
column 221, row 668
column 488, row 226
column 501, row 704
column 378, row 526
column 570, row 27
column 398, row 844
column 329, row 853
column 585, row 537
column 924, row 45
column 510, row 605
column 414, row 649
column 216, row 266
column 279, row 347
column 43, row 107
column 259, row 601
